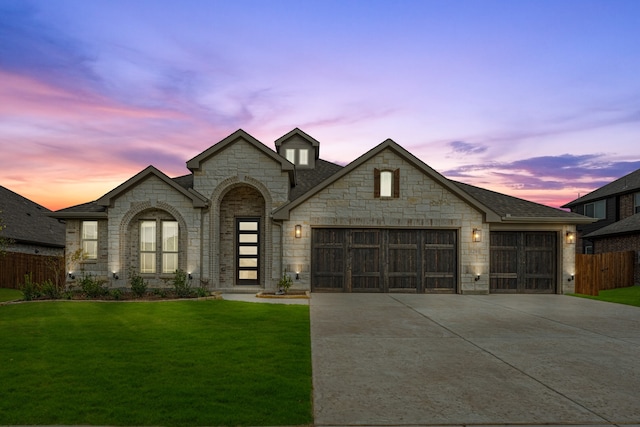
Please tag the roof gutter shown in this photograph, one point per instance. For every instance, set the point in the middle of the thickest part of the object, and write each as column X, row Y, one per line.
column 557, row 220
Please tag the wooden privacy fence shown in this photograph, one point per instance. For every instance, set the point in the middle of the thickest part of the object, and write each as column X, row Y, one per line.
column 598, row 272
column 14, row 265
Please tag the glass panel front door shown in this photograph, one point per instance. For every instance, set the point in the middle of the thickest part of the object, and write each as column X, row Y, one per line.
column 247, row 251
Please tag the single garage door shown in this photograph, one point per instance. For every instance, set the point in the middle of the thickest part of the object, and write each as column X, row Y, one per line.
column 523, row 262
column 383, row 260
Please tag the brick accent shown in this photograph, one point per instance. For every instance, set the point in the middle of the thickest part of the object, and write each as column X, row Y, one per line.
column 620, row 244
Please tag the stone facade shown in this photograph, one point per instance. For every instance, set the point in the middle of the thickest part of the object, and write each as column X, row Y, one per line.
column 241, row 178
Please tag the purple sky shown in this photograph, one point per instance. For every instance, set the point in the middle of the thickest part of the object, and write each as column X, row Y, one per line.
column 537, row 99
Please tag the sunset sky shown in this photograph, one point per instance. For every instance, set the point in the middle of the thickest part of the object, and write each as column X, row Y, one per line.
column 536, row 99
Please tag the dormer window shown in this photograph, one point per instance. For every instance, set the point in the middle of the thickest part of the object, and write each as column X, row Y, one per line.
column 596, row 209
column 297, row 156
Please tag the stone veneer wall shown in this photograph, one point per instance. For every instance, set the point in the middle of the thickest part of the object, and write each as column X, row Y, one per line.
column 240, row 201
column 423, row 204
column 97, row 267
column 153, row 194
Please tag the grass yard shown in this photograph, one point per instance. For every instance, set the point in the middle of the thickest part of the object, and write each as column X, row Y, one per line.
column 185, row 363
column 629, row 296
column 9, row 294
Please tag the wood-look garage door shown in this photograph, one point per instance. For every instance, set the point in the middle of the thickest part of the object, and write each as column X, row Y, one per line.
column 384, row 260
column 523, row 262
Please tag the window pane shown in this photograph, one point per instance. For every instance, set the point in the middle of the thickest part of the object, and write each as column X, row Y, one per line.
column 90, row 249
column 148, row 236
column 170, row 236
column 248, row 250
column 304, row 156
column 169, row 263
column 89, row 229
column 386, row 183
column 147, row 263
column 248, row 262
column 248, row 238
column 290, row 153
column 247, row 275
column 248, row 225
column 600, row 208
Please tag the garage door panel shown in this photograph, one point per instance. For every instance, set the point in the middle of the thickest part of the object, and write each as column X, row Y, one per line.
column 385, row 260
column 523, row 262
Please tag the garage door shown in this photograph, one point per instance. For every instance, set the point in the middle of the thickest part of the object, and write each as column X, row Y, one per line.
column 523, row 262
column 383, row 260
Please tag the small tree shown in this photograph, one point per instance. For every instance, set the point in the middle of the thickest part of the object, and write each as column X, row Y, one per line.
column 4, row 241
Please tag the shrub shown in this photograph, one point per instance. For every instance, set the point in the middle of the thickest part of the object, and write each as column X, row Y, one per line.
column 201, row 292
column 50, row 290
column 181, row 285
column 115, row 293
column 162, row 293
column 138, row 285
column 285, row 283
column 92, row 287
column 30, row 289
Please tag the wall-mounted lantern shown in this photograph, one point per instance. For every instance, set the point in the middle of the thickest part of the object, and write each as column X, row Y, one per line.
column 571, row 237
column 477, row 278
column 115, row 275
column 477, row 235
column 572, row 278
column 298, row 232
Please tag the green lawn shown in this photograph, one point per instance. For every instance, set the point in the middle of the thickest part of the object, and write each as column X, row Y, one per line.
column 629, row 296
column 9, row 294
column 186, row 363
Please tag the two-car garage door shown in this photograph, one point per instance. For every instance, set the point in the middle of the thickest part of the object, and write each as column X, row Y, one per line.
column 384, row 260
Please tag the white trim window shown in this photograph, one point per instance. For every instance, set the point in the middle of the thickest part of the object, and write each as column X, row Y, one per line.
column 386, row 183
column 290, row 154
column 90, row 239
column 596, row 209
column 168, row 238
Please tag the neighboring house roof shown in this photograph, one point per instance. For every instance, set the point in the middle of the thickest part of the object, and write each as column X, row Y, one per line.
column 194, row 163
column 513, row 209
column 629, row 225
column 283, row 212
column 28, row 222
column 626, row 184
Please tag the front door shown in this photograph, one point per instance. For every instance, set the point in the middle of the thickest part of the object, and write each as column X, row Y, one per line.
column 247, row 251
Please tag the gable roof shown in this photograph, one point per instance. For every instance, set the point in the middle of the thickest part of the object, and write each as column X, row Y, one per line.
column 28, row 222
column 309, row 178
column 314, row 142
column 629, row 225
column 513, row 209
column 196, row 162
column 198, row 200
column 389, row 144
column 627, row 184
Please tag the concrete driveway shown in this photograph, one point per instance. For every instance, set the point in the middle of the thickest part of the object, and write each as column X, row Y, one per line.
column 399, row 359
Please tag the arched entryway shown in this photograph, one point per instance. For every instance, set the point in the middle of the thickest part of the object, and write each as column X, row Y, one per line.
column 242, row 237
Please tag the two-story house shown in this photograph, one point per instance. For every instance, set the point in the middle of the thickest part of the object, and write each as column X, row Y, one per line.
column 615, row 207
column 386, row 222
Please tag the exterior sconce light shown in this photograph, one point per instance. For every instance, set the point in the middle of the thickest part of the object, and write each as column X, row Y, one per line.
column 115, row 276
column 571, row 237
column 190, row 276
column 572, row 278
column 297, row 275
column 298, row 232
column 71, row 276
column 477, row 278
column 477, row 235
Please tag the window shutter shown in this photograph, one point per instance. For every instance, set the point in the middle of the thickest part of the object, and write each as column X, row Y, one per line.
column 396, row 183
column 376, row 183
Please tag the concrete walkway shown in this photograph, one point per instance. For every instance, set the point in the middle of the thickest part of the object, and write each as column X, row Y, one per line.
column 398, row 359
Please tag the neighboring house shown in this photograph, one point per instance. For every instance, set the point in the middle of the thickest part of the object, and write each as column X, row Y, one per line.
column 32, row 241
column 615, row 202
column 28, row 226
column 385, row 222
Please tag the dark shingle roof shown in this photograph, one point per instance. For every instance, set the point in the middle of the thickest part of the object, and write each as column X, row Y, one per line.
column 185, row 181
column 309, row 178
column 90, row 207
column 509, row 206
column 28, row 222
column 626, row 184
column 628, row 225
